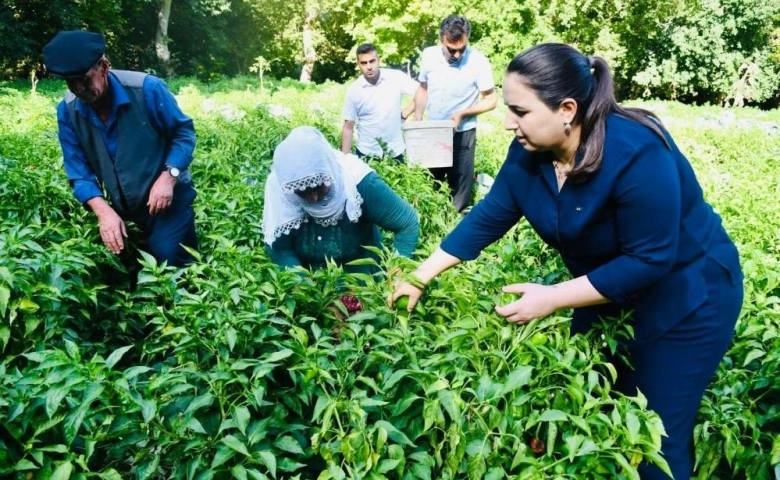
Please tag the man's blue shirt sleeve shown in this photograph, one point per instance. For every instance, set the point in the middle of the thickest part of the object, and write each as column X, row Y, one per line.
column 170, row 121
column 80, row 175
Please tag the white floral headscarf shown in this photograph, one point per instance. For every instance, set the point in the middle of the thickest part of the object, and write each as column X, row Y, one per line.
column 304, row 160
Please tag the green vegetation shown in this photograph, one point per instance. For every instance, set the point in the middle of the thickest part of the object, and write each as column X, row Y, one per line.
column 703, row 51
column 114, row 368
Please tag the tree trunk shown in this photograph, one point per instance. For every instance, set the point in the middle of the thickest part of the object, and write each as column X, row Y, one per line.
column 309, row 53
column 160, row 44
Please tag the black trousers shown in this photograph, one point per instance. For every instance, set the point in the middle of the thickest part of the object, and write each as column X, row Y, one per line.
column 673, row 371
column 460, row 177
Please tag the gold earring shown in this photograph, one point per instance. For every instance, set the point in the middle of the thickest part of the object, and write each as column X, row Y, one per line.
column 567, row 128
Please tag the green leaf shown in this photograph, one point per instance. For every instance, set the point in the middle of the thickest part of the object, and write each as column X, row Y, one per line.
column 430, row 413
column 369, row 381
column 388, row 465
column 394, row 434
column 24, row 464
column 653, row 457
column 372, row 402
column 289, row 444
column 116, row 355
column 222, row 455
column 93, row 391
column 148, row 410
column 72, row 349
column 730, row 448
column 627, row 468
column 239, row 472
column 518, row 378
column 148, row 468
column 476, row 467
column 54, row 448
column 552, row 436
column 204, row 400
column 235, row 444
column 133, row 372
column 336, row 472
column 110, row 474
column 588, row 446
column 242, row 416
column 5, row 297
column 54, row 398
column 243, row 363
column 753, row 355
column 449, row 401
column 231, row 338
column 520, row 456
column 5, row 336
column 495, row 473
column 573, row 443
column 269, row 460
column 195, row 425
column 319, row 407
column 62, row 472
column 74, row 420
column 288, row 465
column 394, row 378
column 656, row 428
column 255, row 475
column 633, row 426
column 553, row 416
column 277, row 356
column 362, row 262
column 775, row 451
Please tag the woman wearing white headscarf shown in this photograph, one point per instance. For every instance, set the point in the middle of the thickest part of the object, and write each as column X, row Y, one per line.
column 322, row 204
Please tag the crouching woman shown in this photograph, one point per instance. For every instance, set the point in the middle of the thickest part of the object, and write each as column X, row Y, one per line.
column 322, row 204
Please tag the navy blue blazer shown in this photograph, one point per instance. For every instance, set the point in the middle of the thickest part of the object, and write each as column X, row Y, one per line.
column 639, row 228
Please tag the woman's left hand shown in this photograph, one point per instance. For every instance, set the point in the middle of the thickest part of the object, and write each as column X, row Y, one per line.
column 537, row 301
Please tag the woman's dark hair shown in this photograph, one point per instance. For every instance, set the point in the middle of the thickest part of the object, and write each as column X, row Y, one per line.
column 555, row 72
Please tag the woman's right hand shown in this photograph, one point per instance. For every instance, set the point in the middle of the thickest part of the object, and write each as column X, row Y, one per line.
column 413, row 284
column 406, row 289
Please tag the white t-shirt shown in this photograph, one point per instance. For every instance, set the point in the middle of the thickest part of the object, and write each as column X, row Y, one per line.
column 454, row 87
column 377, row 110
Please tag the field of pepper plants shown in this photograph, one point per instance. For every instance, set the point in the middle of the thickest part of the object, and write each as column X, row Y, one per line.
column 116, row 367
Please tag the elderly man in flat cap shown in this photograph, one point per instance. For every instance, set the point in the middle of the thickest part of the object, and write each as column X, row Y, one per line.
column 124, row 133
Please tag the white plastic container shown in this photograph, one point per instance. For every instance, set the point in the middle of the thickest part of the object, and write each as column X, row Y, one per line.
column 428, row 143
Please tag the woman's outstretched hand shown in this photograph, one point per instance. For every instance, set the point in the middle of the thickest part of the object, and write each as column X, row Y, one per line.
column 537, row 301
column 406, row 289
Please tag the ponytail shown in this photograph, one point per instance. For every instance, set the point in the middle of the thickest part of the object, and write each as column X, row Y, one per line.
column 556, row 71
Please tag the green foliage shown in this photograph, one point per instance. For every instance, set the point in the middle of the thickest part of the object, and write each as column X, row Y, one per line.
column 117, row 367
column 703, row 51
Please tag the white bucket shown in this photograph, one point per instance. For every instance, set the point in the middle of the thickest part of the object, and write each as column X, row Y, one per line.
column 428, row 143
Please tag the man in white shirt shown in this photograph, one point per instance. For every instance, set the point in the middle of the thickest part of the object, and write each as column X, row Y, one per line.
column 456, row 83
column 373, row 101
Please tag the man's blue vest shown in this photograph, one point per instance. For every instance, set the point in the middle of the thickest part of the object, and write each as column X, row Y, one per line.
column 141, row 150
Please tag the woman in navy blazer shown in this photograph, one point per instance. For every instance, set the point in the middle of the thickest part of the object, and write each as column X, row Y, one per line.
column 608, row 188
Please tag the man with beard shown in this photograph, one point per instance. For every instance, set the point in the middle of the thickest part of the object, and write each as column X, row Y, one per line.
column 456, row 83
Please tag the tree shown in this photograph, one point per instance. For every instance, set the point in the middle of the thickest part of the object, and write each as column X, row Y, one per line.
column 160, row 38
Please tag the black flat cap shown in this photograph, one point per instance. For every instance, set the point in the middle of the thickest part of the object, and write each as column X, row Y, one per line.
column 71, row 54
